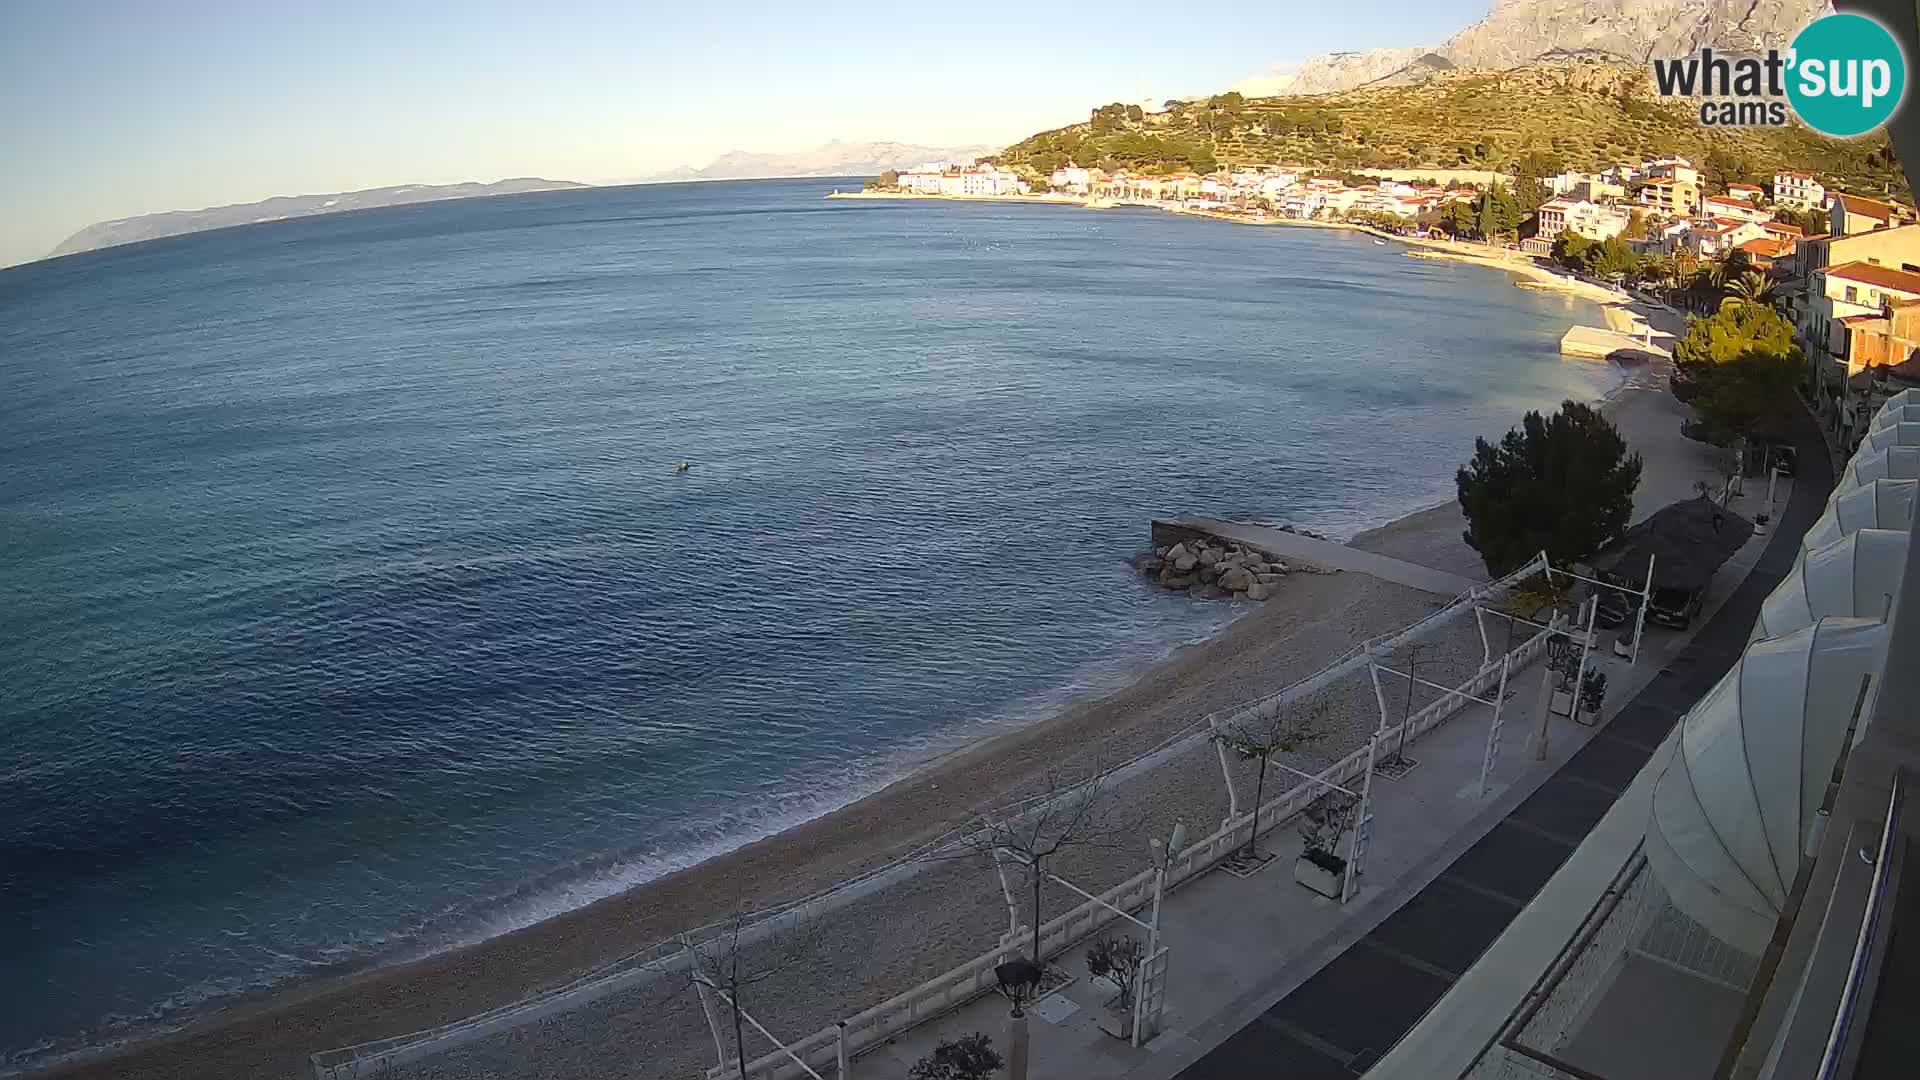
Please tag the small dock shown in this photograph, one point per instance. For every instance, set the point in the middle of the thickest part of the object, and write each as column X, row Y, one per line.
column 1600, row 343
column 1292, row 547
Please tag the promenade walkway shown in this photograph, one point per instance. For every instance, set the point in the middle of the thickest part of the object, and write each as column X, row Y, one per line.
column 1340, row 1021
column 1267, row 979
column 1331, row 555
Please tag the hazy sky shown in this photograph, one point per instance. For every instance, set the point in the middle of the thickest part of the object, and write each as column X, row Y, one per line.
column 116, row 109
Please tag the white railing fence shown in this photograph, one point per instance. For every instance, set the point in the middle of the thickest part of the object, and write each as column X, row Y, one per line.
column 968, row 980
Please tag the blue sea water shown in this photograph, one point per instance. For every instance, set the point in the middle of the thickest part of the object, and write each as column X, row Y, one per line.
column 352, row 606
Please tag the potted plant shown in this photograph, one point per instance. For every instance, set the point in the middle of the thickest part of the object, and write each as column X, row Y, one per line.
column 1593, row 692
column 1117, row 961
column 1760, row 524
column 1320, row 866
column 1562, row 663
column 969, row 1057
column 1623, row 641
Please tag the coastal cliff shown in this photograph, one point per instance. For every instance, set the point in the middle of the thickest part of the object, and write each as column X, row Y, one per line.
column 178, row 222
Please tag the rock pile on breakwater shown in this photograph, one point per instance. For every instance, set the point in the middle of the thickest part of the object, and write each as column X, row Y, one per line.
column 1215, row 568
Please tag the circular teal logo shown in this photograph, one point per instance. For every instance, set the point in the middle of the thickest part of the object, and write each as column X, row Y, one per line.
column 1846, row 75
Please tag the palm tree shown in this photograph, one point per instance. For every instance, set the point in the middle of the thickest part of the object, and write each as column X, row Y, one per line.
column 1752, row 287
column 1658, row 271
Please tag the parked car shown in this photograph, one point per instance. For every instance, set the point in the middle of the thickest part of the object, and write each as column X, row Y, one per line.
column 1674, row 607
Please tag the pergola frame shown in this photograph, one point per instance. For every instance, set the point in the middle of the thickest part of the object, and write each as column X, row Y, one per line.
column 709, row 990
column 1498, row 703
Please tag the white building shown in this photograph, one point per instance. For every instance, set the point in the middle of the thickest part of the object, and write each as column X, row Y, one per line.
column 1712, row 237
column 1278, row 184
column 1301, row 202
column 1731, row 206
column 1591, row 220
column 1677, row 169
column 1072, row 178
column 1798, row 190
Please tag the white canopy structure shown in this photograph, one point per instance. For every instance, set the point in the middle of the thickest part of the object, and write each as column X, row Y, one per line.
column 1882, row 504
column 1856, row 576
column 1734, row 810
column 1905, row 399
column 1901, row 433
column 1892, row 463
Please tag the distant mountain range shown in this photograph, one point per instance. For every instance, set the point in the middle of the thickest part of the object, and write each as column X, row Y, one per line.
column 1518, row 32
column 177, row 222
column 836, row 158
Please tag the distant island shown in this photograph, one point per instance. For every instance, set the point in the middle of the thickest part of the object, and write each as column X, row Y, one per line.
column 835, row 158
column 177, row 222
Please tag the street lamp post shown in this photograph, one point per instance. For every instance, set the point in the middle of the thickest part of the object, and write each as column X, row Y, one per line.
column 1019, row 980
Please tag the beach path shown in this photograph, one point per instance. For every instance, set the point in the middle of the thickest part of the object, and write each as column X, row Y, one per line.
column 1332, row 556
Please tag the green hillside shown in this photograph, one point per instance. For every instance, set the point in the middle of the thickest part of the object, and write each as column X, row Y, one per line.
column 1585, row 115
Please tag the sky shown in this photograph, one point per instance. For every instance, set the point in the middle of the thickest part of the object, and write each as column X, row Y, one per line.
column 108, row 110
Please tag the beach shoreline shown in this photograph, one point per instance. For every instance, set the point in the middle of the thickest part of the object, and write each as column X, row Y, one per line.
column 272, row 1034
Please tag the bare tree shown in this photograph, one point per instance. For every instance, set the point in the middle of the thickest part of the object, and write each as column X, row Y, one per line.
column 1030, row 833
column 746, row 951
column 1117, row 960
column 1413, row 669
column 1259, row 737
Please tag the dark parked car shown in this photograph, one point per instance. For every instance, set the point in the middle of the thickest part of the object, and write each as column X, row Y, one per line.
column 1674, row 607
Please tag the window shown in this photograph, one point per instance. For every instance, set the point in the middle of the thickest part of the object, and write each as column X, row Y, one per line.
column 1853, row 295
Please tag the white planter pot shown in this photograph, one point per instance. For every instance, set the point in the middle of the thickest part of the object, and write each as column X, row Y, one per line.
column 1562, row 703
column 1318, row 878
column 1622, row 647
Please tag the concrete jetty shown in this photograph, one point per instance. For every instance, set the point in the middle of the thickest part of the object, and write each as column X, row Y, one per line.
column 1293, row 547
column 1600, row 343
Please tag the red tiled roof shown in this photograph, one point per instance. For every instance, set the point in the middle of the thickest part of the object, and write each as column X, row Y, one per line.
column 1872, row 208
column 1880, row 277
column 1767, row 249
column 1797, row 175
column 1782, row 227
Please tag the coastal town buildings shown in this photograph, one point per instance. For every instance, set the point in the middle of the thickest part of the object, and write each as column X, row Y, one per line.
column 1747, row 193
column 1729, row 206
column 1677, row 169
column 1670, row 197
column 1075, row 179
column 1770, row 254
column 1798, row 191
column 976, row 180
column 1588, row 219
column 1589, row 187
column 1849, row 215
column 1857, row 315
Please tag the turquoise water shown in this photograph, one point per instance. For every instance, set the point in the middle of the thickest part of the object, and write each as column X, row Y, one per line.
column 355, row 609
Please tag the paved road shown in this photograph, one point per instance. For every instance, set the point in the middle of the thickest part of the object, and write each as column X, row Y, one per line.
column 1332, row 556
column 1345, row 1018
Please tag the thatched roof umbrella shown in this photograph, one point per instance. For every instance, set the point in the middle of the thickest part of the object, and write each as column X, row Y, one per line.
column 1689, row 541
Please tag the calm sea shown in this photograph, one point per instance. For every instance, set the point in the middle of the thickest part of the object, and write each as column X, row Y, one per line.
column 353, row 607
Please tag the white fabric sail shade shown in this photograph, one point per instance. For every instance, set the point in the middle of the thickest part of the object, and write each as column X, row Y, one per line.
column 1856, row 576
column 1903, row 433
column 1903, row 406
column 1734, row 809
column 1892, row 463
column 1882, row 504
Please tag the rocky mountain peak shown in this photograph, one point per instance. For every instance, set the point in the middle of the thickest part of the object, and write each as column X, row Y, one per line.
column 1516, row 32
